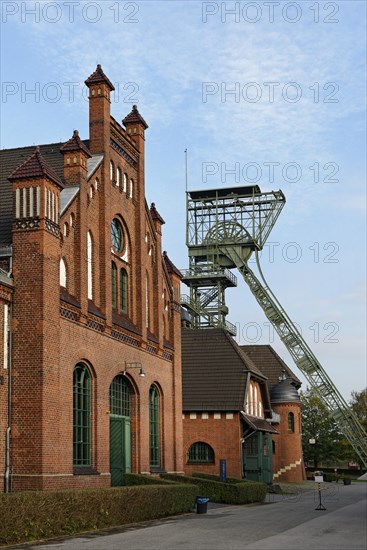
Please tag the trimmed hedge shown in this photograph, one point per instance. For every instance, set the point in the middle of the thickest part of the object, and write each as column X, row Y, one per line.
column 215, row 477
column 140, row 479
column 38, row 515
column 243, row 492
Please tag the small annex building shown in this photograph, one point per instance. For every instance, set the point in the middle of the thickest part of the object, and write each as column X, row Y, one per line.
column 228, row 411
column 90, row 326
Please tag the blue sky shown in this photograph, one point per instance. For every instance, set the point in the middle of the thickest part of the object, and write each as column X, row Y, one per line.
column 297, row 75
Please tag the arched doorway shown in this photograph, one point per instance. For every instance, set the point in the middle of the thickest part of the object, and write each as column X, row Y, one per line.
column 120, row 429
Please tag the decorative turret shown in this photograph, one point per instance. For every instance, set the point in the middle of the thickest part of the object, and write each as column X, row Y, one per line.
column 285, row 391
column 135, row 126
column 99, row 110
column 37, row 195
column 157, row 218
column 76, row 155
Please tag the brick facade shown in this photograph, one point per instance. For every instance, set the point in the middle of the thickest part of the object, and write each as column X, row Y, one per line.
column 63, row 222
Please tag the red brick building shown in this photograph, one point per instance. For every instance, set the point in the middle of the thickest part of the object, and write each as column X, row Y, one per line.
column 90, row 337
column 235, row 408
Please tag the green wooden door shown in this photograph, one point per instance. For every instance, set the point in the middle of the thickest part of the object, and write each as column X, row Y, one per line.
column 120, row 448
column 257, row 457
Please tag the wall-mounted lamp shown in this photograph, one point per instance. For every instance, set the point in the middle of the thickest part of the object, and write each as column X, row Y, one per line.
column 135, row 366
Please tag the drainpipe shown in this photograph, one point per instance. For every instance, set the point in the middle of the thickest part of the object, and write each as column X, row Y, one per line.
column 7, row 484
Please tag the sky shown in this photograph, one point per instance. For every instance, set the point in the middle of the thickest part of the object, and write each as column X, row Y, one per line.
column 272, row 93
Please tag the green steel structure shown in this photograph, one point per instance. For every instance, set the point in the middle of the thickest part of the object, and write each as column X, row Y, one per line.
column 224, row 227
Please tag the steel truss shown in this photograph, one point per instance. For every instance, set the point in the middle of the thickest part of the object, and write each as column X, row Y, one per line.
column 224, row 227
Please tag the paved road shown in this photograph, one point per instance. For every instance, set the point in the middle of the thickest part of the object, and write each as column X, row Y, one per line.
column 283, row 523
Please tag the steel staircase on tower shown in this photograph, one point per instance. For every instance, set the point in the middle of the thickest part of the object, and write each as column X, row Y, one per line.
column 224, row 227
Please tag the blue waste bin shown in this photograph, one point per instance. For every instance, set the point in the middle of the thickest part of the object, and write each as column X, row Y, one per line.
column 201, row 505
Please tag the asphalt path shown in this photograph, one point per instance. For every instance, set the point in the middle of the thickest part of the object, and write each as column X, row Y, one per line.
column 284, row 522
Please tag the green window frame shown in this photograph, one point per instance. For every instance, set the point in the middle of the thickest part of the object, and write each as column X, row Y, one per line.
column 291, row 422
column 200, row 452
column 120, row 397
column 114, row 285
column 154, row 427
column 123, row 290
column 81, row 416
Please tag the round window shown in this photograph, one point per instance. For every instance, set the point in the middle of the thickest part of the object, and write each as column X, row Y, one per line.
column 117, row 235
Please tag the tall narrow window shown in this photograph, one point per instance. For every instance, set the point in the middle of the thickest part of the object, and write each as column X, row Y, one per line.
column 112, row 171
column 131, row 188
column 62, row 273
column 114, row 285
column 90, row 265
column 123, row 290
column 147, row 302
column 290, row 422
column 118, row 177
column 82, row 416
column 154, row 436
column 125, row 183
column 6, row 335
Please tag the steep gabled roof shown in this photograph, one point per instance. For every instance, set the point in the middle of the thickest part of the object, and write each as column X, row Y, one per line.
column 99, row 76
column 269, row 362
column 171, row 268
column 35, row 166
column 75, row 144
column 155, row 214
column 134, row 116
column 214, row 371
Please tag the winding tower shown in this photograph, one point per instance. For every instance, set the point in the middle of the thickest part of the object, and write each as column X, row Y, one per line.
column 224, row 227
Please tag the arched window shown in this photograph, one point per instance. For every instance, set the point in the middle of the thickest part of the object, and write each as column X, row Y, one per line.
column 112, row 172
column 117, row 236
column 200, row 452
column 114, row 285
column 123, row 290
column 62, row 273
column 154, row 435
column 81, row 416
column 90, row 265
column 147, row 312
column 118, row 179
column 120, row 397
column 290, row 422
column 131, row 188
column 125, row 183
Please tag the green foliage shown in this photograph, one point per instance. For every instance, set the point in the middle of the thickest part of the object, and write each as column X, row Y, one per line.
column 319, row 425
column 140, row 479
column 242, row 492
column 358, row 405
column 38, row 515
column 214, row 477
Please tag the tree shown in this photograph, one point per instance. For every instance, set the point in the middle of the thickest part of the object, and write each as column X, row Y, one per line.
column 359, row 406
column 321, row 439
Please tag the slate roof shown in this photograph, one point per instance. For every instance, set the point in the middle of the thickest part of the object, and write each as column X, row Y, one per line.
column 215, row 371
column 75, row 144
column 11, row 159
column 171, row 268
column 269, row 362
column 99, row 76
column 35, row 166
column 134, row 116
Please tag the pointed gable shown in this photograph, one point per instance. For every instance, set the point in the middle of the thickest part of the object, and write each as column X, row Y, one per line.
column 35, row 167
column 214, row 371
column 171, row 268
column 98, row 77
column 75, row 144
column 155, row 214
column 134, row 117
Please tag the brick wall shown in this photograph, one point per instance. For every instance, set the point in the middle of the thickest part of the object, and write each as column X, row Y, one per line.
column 287, row 456
column 222, row 434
